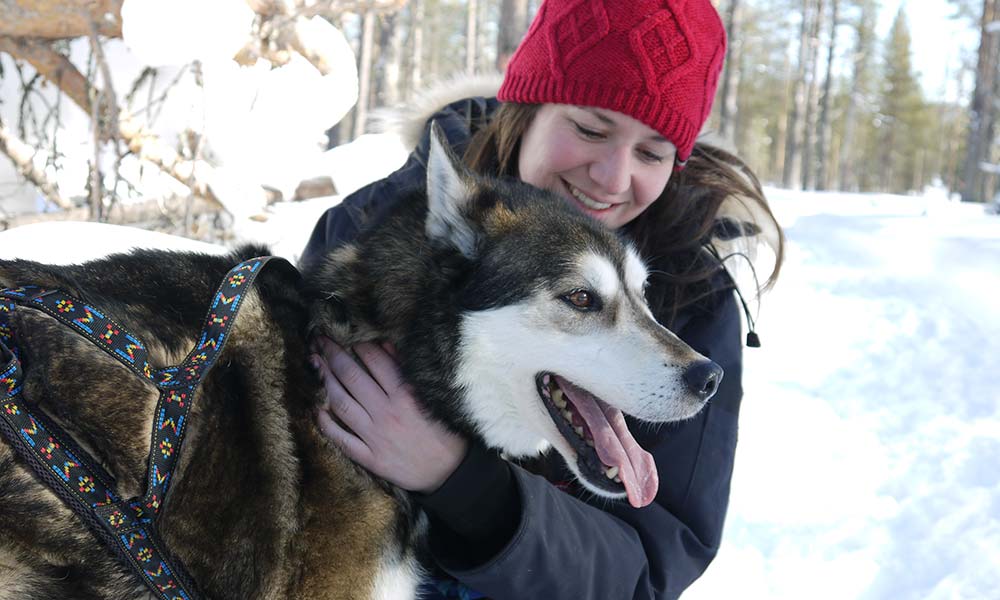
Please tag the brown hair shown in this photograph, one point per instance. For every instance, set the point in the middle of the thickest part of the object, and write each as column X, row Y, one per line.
column 675, row 233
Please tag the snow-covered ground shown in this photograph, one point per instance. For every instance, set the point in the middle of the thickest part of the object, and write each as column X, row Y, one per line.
column 869, row 457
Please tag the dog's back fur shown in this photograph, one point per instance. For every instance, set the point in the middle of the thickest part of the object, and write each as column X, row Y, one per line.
column 261, row 506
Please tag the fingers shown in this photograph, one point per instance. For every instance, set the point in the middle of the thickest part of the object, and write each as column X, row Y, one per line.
column 350, row 444
column 382, row 365
column 354, row 414
column 355, row 380
column 379, row 376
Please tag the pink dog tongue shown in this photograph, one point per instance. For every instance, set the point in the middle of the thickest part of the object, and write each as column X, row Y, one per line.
column 615, row 445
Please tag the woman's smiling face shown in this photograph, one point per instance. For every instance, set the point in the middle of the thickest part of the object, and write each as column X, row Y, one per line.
column 607, row 164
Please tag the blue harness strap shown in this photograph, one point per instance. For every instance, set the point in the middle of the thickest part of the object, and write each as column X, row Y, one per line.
column 128, row 526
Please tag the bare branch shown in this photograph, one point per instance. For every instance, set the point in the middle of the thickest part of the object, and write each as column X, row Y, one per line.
column 52, row 66
column 149, row 147
column 22, row 154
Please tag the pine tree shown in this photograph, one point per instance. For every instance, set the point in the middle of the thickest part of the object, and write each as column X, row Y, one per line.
column 904, row 115
column 860, row 87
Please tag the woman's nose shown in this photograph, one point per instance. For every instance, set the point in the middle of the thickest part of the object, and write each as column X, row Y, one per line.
column 612, row 171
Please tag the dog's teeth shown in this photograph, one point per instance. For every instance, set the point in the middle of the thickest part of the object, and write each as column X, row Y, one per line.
column 612, row 472
column 567, row 415
column 579, row 431
column 557, row 398
column 590, row 442
column 617, row 479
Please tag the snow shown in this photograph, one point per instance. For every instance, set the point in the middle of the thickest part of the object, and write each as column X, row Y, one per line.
column 869, row 447
column 176, row 32
column 69, row 242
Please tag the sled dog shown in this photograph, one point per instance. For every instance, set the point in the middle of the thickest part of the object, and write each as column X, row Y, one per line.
column 519, row 322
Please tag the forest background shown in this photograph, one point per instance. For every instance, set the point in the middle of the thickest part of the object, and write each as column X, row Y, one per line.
column 816, row 95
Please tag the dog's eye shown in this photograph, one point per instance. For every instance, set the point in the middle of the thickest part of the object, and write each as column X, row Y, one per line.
column 583, row 300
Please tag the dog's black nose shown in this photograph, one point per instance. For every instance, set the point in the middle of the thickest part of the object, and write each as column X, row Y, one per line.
column 703, row 378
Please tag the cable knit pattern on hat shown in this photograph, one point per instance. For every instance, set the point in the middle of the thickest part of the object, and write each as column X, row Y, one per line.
column 657, row 61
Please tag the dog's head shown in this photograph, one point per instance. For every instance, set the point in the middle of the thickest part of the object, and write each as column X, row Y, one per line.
column 556, row 341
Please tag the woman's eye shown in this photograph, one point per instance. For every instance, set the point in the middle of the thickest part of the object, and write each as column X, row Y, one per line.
column 651, row 157
column 590, row 134
column 583, row 300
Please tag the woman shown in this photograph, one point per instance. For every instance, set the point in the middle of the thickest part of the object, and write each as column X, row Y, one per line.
column 601, row 104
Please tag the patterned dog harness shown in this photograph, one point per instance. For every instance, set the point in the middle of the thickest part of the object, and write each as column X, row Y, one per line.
column 128, row 526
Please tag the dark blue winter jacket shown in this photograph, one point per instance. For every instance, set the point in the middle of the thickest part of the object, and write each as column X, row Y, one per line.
column 509, row 533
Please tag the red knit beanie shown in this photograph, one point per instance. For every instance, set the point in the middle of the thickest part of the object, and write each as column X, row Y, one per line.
column 657, row 61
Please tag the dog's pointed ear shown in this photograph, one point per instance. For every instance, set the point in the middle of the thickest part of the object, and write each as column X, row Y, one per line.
column 449, row 192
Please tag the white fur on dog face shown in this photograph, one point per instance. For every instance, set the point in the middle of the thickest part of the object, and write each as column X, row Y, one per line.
column 600, row 275
column 636, row 273
column 629, row 361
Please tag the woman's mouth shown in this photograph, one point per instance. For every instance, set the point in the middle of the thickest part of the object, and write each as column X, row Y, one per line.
column 586, row 200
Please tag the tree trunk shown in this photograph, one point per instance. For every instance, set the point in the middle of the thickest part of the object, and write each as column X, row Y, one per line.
column 364, row 72
column 781, row 139
column 390, row 57
column 812, row 91
column 731, row 75
column 60, row 19
column 513, row 24
column 484, row 61
column 793, row 133
column 437, row 34
column 415, row 47
column 822, row 148
column 982, row 110
column 952, row 160
column 471, row 21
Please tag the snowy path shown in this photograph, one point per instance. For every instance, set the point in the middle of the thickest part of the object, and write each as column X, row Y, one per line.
column 869, row 456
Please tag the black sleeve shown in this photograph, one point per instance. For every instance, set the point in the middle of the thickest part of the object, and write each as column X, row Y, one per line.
column 554, row 545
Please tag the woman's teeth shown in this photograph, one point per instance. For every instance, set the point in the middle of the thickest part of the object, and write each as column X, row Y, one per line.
column 587, row 201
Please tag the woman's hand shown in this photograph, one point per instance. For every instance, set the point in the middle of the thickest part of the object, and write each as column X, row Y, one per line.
column 387, row 431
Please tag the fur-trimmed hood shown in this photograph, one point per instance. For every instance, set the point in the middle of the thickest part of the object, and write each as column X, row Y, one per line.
column 409, row 120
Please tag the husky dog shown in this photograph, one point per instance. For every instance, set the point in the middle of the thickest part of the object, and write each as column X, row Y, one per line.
column 519, row 322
